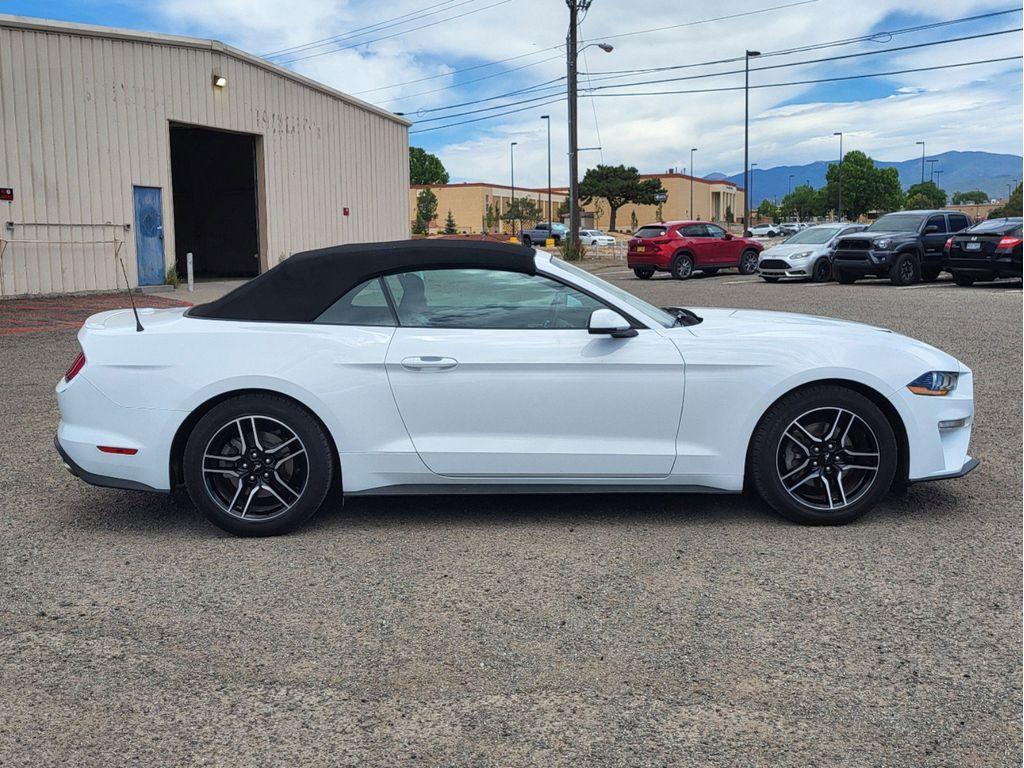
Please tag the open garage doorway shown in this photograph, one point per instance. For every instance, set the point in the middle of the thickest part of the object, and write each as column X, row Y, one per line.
column 213, row 177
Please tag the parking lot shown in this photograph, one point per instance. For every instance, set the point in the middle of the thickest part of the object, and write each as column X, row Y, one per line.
column 598, row 630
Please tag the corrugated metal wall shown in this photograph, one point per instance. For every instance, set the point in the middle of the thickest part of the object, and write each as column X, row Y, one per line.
column 83, row 118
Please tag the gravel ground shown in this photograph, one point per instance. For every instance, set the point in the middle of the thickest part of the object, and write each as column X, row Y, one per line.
column 599, row 631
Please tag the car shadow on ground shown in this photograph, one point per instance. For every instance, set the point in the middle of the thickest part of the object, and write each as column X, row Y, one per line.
column 132, row 514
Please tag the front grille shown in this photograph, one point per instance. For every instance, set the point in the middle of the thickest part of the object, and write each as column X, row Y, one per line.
column 773, row 264
column 856, row 245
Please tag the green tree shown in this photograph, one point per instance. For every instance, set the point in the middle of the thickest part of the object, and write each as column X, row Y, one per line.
column 801, row 202
column 918, row 202
column 425, row 168
column 729, row 216
column 1012, row 206
column 523, row 209
column 563, row 209
column 659, row 212
column 865, row 187
column 449, row 224
column 768, row 210
column 930, row 191
column 426, row 210
column 489, row 217
column 974, row 197
column 618, row 185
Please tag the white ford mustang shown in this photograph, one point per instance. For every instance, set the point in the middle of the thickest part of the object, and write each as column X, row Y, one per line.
column 467, row 367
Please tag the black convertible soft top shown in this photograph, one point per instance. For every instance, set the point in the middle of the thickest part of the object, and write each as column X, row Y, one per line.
column 302, row 286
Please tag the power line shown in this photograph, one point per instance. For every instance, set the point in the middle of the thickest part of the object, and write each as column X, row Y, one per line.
column 488, row 117
column 813, row 61
column 467, row 82
column 540, row 86
column 357, row 31
column 706, row 21
column 819, row 80
column 397, row 34
column 496, row 106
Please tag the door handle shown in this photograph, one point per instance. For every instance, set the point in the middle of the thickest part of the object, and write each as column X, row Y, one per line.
column 429, row 363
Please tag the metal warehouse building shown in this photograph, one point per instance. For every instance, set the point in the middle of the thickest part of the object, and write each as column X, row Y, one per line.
column 152, row 146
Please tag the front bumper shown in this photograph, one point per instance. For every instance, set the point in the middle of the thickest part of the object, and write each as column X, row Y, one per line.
column 783, row 267
column 863, row 262
column 938, row 454
column 969, row 466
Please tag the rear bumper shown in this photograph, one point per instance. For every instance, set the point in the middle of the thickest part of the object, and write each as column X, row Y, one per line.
column 1000, row 267
column 655, row 260
column 102, row 481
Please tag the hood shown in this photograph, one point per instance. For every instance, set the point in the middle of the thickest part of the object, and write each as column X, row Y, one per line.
column 786, row 249
column 792, row 331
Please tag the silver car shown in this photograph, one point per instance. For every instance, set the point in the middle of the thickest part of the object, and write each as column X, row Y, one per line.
column 806, row 255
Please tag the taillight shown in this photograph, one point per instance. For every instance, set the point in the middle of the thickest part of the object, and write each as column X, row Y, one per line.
column 1008, row 243
column 77, row 364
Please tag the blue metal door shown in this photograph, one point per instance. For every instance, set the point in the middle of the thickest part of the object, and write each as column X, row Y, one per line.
column 149, row 236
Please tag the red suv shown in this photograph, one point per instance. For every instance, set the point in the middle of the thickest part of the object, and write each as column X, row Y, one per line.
column 681, row 247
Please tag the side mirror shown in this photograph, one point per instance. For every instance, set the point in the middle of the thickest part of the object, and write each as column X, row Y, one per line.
column 727, row 236
column 932, row 228
column 607, row 322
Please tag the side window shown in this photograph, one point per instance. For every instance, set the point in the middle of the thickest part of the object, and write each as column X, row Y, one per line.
column 714, row 230
column 487, row 299
column 936, row 221
column 958, row 221
column 693, row 230
column 365, row 304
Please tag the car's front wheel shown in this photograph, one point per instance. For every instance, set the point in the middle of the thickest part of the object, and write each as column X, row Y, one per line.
column 258, row 465
column 905, row 270
column 748, row 262
column 843, row 277
column 823, row 455
column 822, row 271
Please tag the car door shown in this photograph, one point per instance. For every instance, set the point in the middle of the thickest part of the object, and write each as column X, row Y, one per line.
column 697, row 241
column 496, row 375
column 726, row 249
column 933, row 240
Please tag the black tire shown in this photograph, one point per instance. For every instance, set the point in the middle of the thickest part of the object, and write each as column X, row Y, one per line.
column 822, row 271
column 269, row 419
column 905, row 270
column 644, row 273
column 843, row 277
column 930, row 274
column 963, row 279
column 770, row 278
column 748, row 262
column 773, row 453
column 710, row 271
column 682, row 266
column 527, row 241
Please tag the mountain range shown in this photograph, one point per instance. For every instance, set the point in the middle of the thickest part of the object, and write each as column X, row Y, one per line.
column 961, row 172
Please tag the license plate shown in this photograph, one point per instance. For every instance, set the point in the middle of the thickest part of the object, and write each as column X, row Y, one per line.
column 972, row 246
column 640, row 249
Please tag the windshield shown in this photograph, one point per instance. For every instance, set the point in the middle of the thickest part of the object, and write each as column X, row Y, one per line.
column 897, row 222
column 659, row 315
column 814, row 235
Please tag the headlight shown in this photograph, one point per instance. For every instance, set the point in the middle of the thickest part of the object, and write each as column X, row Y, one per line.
column 801, row 255
column 883, row 244
column 934, row 383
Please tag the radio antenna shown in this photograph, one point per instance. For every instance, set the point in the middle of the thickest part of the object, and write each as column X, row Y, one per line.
column 127, row 287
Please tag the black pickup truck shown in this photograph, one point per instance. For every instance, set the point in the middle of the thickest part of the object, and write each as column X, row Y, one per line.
column 906, row 247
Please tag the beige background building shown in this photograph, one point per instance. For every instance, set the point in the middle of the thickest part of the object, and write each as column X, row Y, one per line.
column 712, row 201
column 470, row 201
column 111, row 135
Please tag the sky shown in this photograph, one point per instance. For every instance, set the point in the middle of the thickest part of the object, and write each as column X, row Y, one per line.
column 423, row 57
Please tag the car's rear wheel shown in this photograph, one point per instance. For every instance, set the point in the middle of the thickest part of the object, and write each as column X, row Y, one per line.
column 527, row 241
column 682, row 266
column 822, row 271
column 258, row 465
column 905, row 270
column 644, row 273
column 748, row 262
column 930, row 274
column 963, row 279
column 823, row 455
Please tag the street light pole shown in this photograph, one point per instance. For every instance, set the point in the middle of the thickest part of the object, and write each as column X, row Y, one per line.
column 839, row 176
column 938, row 176
column 931, row 168
column 922, row 159
column 746, row 137
column 512, row 165
column 791, row 182
column 548, row 119
column 692, row 150
column 750, row 192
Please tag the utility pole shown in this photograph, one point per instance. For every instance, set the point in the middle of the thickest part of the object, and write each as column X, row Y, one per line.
column 512, row 166
column 692, row 150
column 746, row 137
column 922, row 159
column 547, row 118
column 839, row 176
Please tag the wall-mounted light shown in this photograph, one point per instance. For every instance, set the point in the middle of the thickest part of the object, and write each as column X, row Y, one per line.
column 219, row 81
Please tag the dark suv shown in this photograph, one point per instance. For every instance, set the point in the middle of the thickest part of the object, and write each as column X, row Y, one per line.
column 905, row 247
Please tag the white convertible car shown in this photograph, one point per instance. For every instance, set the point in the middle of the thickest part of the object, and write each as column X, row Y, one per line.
column 468, row 367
